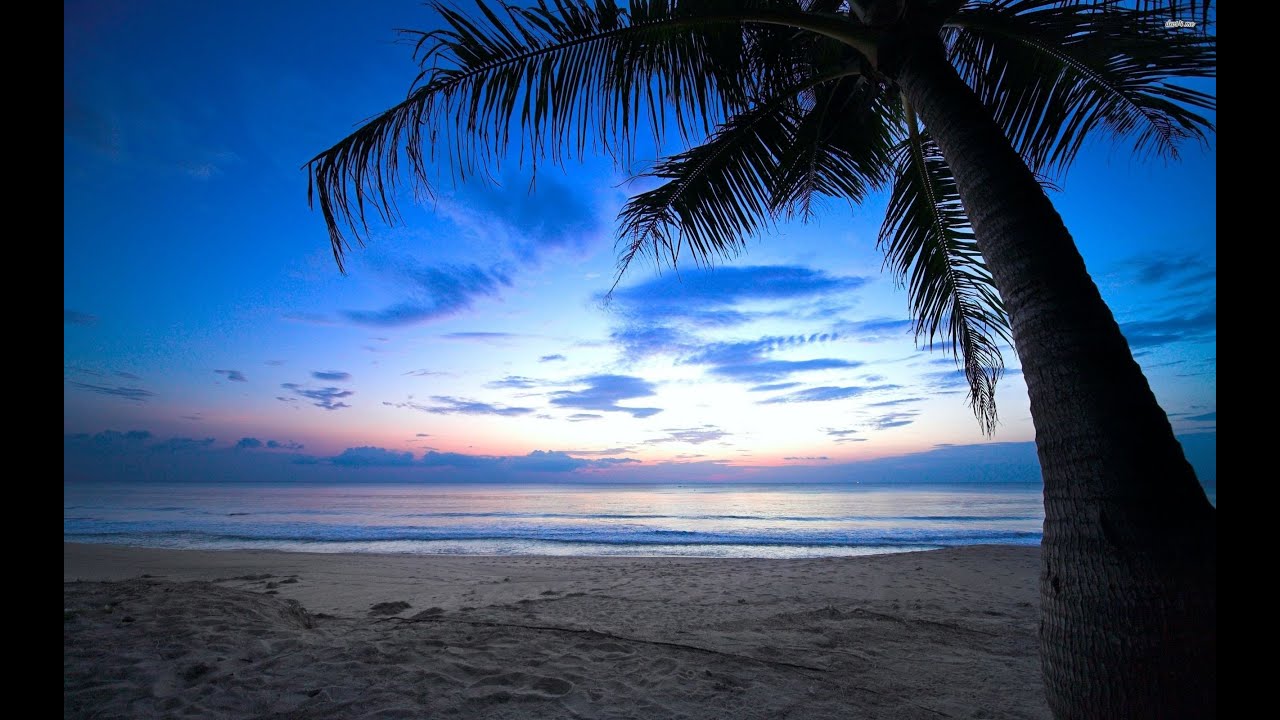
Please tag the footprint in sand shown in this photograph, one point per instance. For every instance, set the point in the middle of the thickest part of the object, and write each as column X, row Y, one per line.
column 518, row 686
column 389, row 608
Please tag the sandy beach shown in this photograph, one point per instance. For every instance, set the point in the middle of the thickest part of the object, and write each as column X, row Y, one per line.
column 245, row 634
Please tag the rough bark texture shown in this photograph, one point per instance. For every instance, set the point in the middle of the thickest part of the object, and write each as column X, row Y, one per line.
column 1128, row 585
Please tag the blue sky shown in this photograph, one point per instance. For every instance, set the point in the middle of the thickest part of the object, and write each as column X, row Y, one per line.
column 203, row 311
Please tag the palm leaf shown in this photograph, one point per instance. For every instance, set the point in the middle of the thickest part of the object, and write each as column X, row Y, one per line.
column 813, row 138
column 561, row 75
column 930, row 247
column 1054, row 73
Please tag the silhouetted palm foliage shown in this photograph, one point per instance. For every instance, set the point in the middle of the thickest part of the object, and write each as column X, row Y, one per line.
column 780, row 103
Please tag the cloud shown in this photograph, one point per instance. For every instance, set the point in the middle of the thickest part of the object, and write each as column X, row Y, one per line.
column 876, row 329
column 642, row 341
column 605, row 452
column 446, row 405
column 1206, row 417
column 435, row 292
column 1181, row 271
column 899, row 401
column 604, row 392
column 773, row 386
column 1197, row 327
column 765, row 370
column 182, row 444
column 233, row 375
column 75, row 317
column 331, row 375
column 327, row 397
column 579, row 417
column 707, row 296
column 893, row 420
column 128, row 393
column 745, row 361
column 807, row 457
column 252, row 443
column 114, row 437
column 551, row 358
column 372, row 457
column 825, row 393
column 693, row 436
column 480, row 336
column 425, row 373
column 514, row 381
column 538, row 461
column 74, row 370
column 532, row 217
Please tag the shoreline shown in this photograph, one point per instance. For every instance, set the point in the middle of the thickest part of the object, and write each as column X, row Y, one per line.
column 915, row 634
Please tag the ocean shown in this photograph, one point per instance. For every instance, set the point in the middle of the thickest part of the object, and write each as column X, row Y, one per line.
column 784, row 521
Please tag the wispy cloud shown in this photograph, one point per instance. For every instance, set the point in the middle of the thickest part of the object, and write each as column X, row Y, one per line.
column 604, row 392
column 232, row 375
column 327, row 398
column 746, row 361
column 551, row 358
column 693, row 435
column 599, row 453
column 518, row 382
column 825, row 393
column 1196, row 327
column 893, row 420
column 434, row 292
column 641, row 341
column 528, row 219
column 488, row 337
column 899, row 401
column 331, row 375
column 765, row 370
column 876, row 329
column 710, row 297
column 771, row 387
column 1180, row 270
column 445, row 405
column 128, row 393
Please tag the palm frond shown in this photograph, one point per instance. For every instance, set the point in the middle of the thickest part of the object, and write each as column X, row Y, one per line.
column 561, row 76
column 841, row 148
column 715, row 195
column 1054, row 73
column 823, row 136
column 930, row 247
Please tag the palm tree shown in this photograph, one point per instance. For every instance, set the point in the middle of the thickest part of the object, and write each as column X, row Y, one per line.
column 963, row 110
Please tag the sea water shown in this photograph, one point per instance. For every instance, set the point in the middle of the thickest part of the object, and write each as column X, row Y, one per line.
column 703, row 521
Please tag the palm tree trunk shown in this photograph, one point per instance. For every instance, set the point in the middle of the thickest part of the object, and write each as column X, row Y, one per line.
column 1128, row 584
